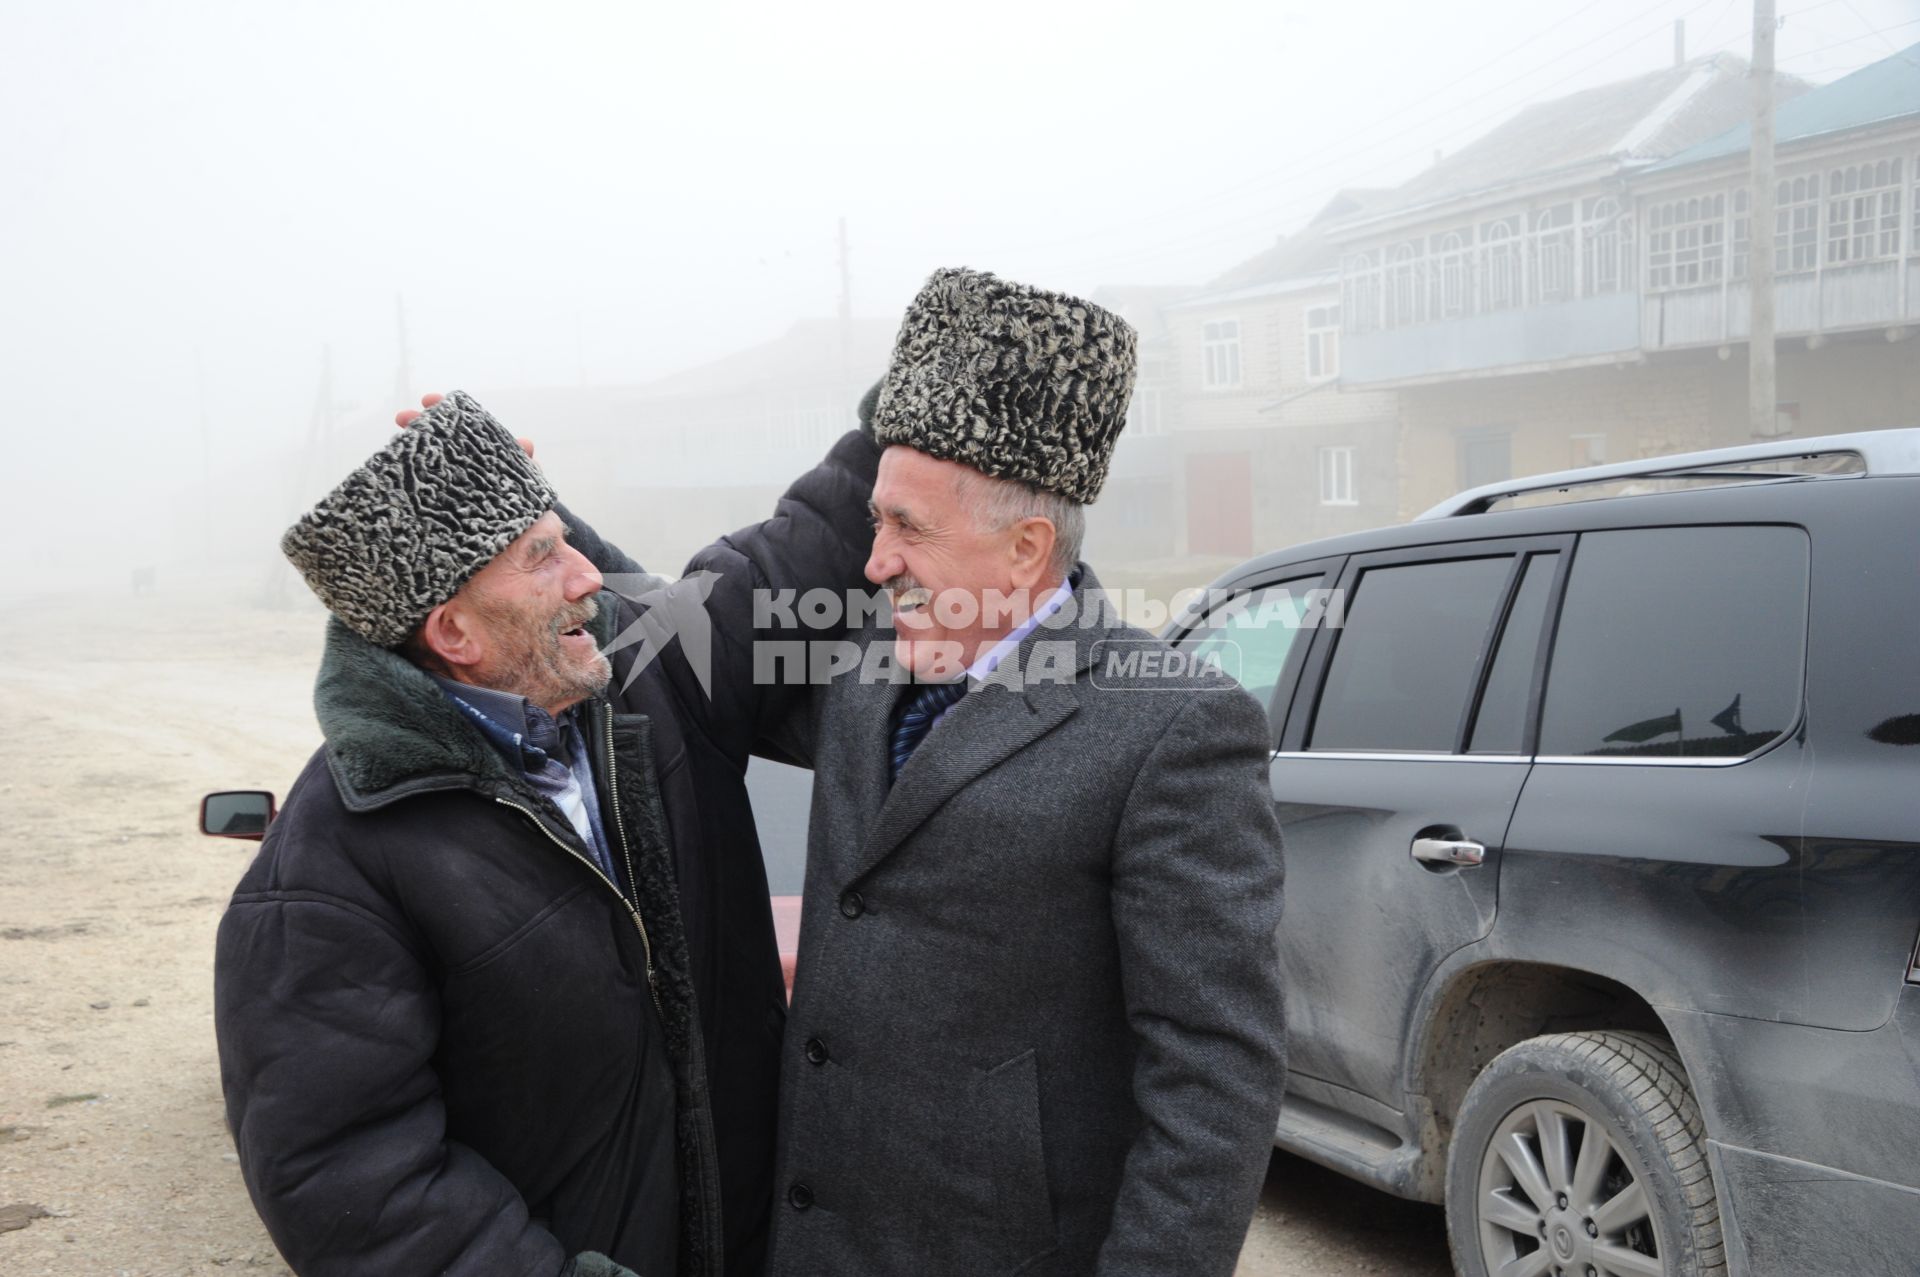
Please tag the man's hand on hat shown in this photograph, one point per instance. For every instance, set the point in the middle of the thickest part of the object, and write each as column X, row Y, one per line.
column 407, row 416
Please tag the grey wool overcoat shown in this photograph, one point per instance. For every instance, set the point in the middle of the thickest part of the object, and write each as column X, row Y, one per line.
column 1037, row 1026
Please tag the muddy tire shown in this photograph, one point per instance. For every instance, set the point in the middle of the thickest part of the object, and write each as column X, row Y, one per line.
column 1583, row 1155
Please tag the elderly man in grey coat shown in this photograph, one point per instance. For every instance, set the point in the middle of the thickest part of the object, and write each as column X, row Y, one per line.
column 1037, row 1024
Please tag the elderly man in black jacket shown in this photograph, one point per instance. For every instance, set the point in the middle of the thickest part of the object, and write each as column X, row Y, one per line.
column 500, row 995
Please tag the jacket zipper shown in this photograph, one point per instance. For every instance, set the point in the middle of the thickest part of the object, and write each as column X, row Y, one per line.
column 710, row 1151
column 620, row 827
column 639, row 923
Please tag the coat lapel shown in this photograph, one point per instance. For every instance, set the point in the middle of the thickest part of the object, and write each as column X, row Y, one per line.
column 988, row 725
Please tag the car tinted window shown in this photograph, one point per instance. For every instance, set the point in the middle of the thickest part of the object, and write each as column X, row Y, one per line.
column 1678, row 642
column 1407, row 657
column 1251, row 637
column 1500, row 726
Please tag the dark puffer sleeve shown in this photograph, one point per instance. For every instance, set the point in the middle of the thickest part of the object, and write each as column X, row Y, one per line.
column 335, row 1111
column 818, row 537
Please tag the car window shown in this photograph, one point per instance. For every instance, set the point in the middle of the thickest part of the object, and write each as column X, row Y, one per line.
column 1678, row 643
column 1407, row 657
column 1252, row 635
column 1500, row 725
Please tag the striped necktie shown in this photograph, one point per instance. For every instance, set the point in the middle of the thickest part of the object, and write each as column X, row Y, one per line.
column 922, row 710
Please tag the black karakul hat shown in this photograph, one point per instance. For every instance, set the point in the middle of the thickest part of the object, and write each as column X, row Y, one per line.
column 401, row 534
column 1017, row 382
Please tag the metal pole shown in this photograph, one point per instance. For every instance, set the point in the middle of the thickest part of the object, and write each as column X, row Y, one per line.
column 1762, row 395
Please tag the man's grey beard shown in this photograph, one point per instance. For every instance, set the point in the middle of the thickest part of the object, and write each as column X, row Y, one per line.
column 538, row 668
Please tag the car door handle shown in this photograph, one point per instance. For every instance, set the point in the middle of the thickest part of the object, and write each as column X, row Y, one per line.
column 1449, row 851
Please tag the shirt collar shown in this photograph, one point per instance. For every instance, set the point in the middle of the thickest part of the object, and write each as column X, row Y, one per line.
column 990, row 659
column 520, row 729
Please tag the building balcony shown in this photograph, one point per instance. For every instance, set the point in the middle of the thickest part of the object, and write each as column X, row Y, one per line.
column 1806, row 303
column 1593, row 329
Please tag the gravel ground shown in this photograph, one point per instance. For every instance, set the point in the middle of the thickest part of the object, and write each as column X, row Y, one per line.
column 113, row 1155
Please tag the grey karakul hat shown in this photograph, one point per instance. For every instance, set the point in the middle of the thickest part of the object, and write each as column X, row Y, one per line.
column 405, row 531
column 1014, row 381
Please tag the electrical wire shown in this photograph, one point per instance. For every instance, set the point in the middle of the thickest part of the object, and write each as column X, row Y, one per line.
column 1238, row 227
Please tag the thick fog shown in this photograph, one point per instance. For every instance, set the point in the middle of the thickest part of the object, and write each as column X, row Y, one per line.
column 232, row 234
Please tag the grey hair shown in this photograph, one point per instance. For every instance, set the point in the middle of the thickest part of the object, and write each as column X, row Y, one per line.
column 998, row 504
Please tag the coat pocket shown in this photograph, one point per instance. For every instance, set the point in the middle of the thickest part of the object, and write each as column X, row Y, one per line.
column 1023, row 1202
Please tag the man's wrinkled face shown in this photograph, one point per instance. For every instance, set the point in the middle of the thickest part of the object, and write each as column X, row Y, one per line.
column 936, row 564
column 530, row 607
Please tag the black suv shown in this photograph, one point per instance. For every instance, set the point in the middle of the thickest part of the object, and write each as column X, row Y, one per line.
column 1602, row 817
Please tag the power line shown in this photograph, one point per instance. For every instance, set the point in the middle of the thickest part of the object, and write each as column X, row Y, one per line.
column 1344, row 149
column 1272, row 215
column 1891, row 46
column 1876, row 31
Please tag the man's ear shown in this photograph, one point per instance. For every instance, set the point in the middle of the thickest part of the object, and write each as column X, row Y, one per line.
column 451, row 636
column 1032, row 551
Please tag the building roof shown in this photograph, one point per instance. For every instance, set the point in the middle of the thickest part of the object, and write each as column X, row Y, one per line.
column 1142, row 305
column 1305, row 257
column 1879, row 92
column 1629, row 123
column 807, row 353
column 805, row 359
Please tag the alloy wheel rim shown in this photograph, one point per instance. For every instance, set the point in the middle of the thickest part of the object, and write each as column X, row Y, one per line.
column 1557, row 1197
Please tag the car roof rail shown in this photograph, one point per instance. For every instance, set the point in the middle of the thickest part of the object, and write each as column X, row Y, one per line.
column 1879, row 452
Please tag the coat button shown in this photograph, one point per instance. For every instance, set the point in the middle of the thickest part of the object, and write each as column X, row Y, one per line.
column 799, row 1196
column 851, row 905
column 816, row 1051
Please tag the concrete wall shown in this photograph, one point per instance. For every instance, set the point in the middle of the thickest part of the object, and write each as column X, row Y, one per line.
column 1278, row 419
column 1671, row 403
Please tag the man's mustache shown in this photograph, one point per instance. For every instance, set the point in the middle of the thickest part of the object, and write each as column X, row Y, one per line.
column 575, row 616
column 899, row 586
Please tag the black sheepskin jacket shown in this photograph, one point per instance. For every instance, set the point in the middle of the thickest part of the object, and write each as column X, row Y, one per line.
column 438, row 1045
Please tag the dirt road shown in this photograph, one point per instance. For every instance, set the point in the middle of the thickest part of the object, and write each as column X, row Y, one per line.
column 110, row 1112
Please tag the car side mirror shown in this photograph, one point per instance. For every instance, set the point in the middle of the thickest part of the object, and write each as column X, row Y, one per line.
column 237, row 813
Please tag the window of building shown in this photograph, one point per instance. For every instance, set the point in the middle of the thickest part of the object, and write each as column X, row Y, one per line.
column 1360, row 291
column 1741, row 251
column 1604, row 235
column 1686, row 242
column 1485, row 457
column 1145, row 415
column 1220, row 354
column 1323, row 342
column 1452, row 260
column 1500, row 264
column 1500, row 723
column 1586, row 450
column 1553, row 253
column 1796, row 224
column 1406, row 292
column 1863, row 212
column 1679, row 643
column 1408, row 655
column 1913, row 203
column 1336, row 476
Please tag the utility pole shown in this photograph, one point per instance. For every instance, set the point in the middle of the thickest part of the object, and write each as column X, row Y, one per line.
column 1762, row 395
column 846, row 321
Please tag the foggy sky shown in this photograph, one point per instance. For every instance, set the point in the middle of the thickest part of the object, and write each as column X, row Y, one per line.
column 198, row 196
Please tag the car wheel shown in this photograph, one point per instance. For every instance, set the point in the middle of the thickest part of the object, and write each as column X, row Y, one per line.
column 1582, row 1155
